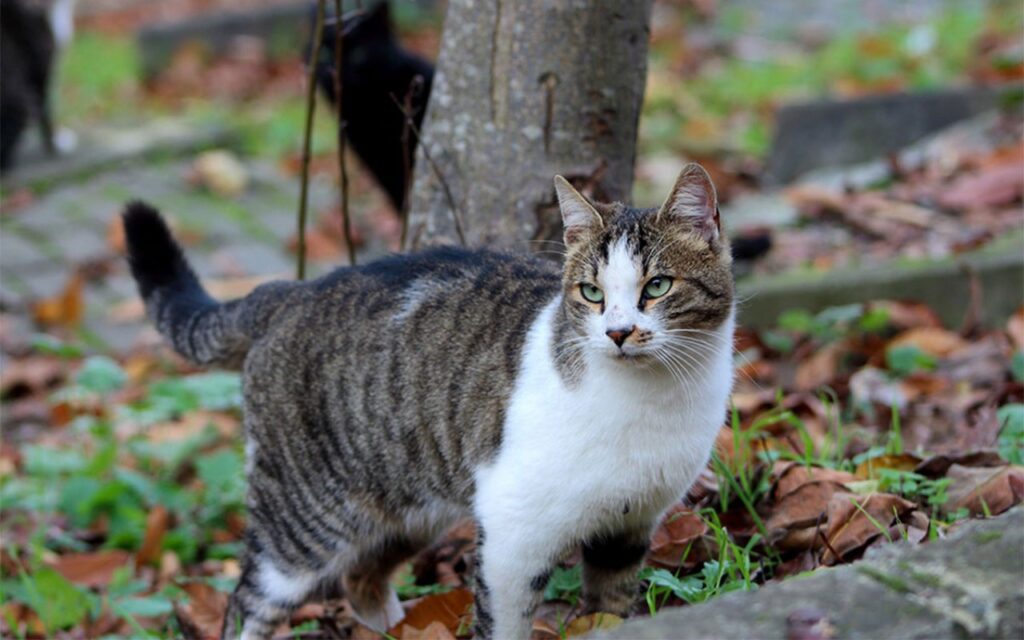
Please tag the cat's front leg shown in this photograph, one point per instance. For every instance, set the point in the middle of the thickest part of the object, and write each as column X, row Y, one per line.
column 512, row 570
column 610, row 566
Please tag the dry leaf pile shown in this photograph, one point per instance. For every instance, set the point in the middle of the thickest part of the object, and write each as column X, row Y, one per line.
column 950, row 198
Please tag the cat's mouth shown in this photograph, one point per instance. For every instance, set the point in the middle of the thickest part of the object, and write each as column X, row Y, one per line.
column 632, row 356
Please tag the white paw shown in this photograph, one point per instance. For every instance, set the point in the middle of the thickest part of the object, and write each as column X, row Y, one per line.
column 384, row 618
column 65, row 140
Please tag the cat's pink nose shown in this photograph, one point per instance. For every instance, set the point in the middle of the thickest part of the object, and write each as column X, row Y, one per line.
column 619, row 336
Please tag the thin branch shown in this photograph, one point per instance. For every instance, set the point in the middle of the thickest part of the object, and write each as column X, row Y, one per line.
column 342, row 124
column 414, row 89
column 456, row 216
column 318, row 34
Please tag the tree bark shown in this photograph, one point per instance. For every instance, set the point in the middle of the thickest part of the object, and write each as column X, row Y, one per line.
column 524, row 90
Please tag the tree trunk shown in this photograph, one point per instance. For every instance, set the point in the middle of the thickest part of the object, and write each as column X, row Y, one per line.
column 524, row 90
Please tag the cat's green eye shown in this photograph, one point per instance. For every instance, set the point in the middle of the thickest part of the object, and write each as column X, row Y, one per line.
column 591, row 293
column 657, row 286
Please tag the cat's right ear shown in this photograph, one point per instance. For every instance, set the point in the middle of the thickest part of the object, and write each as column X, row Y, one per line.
column 578, row 215
column 378, row 18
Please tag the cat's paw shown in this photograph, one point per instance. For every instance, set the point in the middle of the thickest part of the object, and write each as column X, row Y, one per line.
column 65, row 141
column 384, row 618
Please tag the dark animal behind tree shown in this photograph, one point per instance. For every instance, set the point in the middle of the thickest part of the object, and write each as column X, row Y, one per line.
column 376, row 72
column 27, row 51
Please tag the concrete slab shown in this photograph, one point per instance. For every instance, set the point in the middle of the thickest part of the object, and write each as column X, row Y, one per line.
column 830, row 133
column 944, row 286
column 965, row 586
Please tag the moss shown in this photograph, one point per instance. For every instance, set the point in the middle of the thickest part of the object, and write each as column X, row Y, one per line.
column 927, row 579
column 893, row 582
column 985, row 537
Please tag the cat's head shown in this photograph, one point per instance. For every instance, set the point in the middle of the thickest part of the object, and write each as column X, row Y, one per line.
column 362, row 33
column 646, row 285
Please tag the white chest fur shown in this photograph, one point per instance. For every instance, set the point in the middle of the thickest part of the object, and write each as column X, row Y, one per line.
column 614, row 450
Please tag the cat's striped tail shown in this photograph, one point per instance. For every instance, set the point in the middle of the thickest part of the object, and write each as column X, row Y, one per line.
column 197, row 326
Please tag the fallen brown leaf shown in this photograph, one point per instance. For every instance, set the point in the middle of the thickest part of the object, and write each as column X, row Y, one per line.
column 934, row 341
column 91, row 569
column 450, row 609
column 853, row 521
column 821, row 368
column 31, row 375
column 907, row 315
column 115, row 235
column 868, row 470
column 792, row 475
column 804, row 506
column 191, row 424
column 592, row 622
column 984, row 490
column 1015, row 327
column 65, row 309
column 436, row 630
column 157, row 522
column 920, row 384
column 992, row 186
column 937, row 466
column 205, row 609
column 676, row 536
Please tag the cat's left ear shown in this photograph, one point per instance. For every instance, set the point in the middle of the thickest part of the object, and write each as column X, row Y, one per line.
column 578, row 215
column 694, row 200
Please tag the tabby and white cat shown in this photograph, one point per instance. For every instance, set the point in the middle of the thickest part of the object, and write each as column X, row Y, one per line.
column 386, row 400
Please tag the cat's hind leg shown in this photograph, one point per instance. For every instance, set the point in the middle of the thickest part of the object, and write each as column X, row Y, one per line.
column 610, row 566
column 264, row 598
column 367, row 583
column 285, row 561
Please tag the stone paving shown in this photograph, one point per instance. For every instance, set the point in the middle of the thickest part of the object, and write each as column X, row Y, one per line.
column 67, row 224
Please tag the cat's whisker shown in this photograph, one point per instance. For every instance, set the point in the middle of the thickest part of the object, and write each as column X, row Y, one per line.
column 710, row 350
column 678, row 372
column 692, row 359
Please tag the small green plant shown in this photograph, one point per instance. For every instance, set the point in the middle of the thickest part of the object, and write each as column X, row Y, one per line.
column 1017, row 366
column 405, row 585
column 565, row 584
column 904, row 360
column 915, row 486
column 894, row 444
column 1011, row 432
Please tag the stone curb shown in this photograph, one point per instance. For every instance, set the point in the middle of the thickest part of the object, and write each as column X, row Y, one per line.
column 944, row 286
column 969, row 585
column 103, row 148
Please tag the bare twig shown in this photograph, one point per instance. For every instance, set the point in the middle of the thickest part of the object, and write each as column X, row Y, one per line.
column 318, row 34
column 456, row 215
column 414, row 88
column 828, row 545
column 342, row 124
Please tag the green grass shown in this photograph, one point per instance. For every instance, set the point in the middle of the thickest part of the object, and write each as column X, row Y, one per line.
column 728, row 105
column 97, row 79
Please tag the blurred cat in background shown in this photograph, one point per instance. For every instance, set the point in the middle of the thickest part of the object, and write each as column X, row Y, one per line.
column 32, row 33
column 376, row 71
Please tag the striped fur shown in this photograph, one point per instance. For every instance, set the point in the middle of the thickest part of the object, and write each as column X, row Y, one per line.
column 384, row 401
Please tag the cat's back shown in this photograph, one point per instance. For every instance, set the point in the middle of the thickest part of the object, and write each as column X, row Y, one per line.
column 443, row 295
column 419, row 348
column 448, row 282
